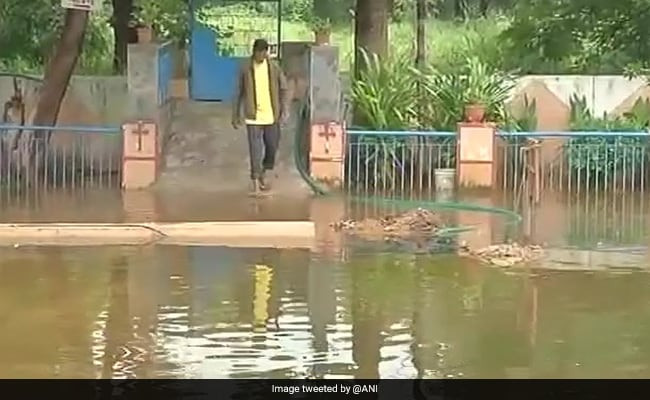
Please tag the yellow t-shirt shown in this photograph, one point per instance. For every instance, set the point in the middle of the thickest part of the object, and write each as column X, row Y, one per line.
column 264, row 112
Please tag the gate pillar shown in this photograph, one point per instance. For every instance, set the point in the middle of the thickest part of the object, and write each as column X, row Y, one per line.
column 476, row 155
column 327, row 128
column 326, row 156
column 141, row 155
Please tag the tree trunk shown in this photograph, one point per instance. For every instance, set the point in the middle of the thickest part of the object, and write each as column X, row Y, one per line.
column 420, row 46
column 122, row 10
column 60, row 68
column 459, row 9
column 55, row 84
column 371, row 29
column 370, row 34
column 484, row 5
column 421, row 15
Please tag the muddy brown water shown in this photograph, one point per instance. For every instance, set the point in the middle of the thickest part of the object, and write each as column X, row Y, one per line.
column 345, row 310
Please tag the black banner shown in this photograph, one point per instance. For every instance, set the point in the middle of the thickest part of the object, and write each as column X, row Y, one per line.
column 325, row 389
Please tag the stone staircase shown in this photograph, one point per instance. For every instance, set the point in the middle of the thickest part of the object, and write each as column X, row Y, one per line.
column 205, row 152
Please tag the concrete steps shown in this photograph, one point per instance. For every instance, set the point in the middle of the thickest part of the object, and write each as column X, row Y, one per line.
column 205, row 151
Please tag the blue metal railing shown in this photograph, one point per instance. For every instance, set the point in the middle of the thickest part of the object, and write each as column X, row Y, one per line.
column 62, row 128
column 49, row 157
column 573, row 134
column 579, row 162
column 397, row 162
column 358, row 132
column 405, row 161
column 165, row 72
column 537, row 134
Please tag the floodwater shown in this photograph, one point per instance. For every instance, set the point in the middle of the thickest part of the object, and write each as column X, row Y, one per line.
column 343, row 310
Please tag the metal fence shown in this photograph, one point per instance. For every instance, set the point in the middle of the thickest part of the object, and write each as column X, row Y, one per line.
column 577, row 162
column 403, row 163
column 397, row 163
column 604, row 219
column 38, row 158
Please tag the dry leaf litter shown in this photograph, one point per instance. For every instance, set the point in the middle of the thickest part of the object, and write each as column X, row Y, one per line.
column 414, row 222
column 420, row 222
column 504, row 255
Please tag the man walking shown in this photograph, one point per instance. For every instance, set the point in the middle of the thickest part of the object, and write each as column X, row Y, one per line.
column 262, row 94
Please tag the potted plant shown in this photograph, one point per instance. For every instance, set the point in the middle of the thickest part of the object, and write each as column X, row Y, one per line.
column 476, row 103
column 322, row 30
column 485, row 90
column 475, row 111
column 146, row 14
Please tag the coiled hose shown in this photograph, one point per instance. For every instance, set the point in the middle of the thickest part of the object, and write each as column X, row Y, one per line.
column 299, row 160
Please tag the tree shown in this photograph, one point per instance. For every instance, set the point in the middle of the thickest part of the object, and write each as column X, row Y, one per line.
column 27, row 31
column 586, row 36
column 420, row 42
column 168, row 18
column 55, row 84
column 420, row 45
column 122, row 12
column 59, row 71
column 371, row 29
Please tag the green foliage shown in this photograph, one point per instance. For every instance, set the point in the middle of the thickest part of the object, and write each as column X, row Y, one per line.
column 297, row 10
column 527, row 36
column 578, row 36
column 320, row 24
column 384, row 93
column 447, row 94
column 169, row 18
column 600, row 156
column 27, row 31
column 390, row 94
column 237, row 25
column 30, row 29
column 523, row 121
column 635, row 120
column 337, row 11
column 384, row 99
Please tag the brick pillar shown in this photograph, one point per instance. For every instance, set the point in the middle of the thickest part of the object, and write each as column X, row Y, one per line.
column 476, row 155
column 326, row 156
column 141, row 155
column 327, row 139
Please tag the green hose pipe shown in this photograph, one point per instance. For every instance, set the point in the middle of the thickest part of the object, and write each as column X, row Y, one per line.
column 318, row 190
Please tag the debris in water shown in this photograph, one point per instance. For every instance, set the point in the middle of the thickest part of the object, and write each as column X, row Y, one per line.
column 504, row 255
column 414, row 222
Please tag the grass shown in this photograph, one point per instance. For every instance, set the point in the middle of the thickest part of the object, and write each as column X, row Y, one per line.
column 448, row 43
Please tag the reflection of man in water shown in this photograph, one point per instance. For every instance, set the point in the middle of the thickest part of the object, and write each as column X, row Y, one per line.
column 262, row 93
